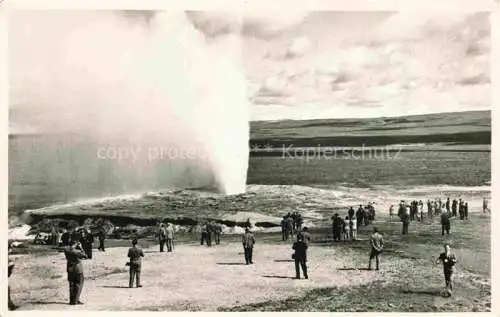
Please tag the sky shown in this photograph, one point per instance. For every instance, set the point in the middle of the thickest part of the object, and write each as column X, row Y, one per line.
column 370, row 64
column 309, row 65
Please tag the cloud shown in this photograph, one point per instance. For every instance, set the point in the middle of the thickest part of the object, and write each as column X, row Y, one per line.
column 474, row 80
column 252, row 24
column 299, row 47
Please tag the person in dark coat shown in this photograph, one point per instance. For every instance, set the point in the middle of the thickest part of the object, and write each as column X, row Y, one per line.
column 210, row 233
column 248, row 242
column 284, row 231
column 445, row 224
column 204, row 229
column 405, row 218
column 162, row 237
column 74, row 268
column 454, row 207
column 218, row 232
column 448, row 259
column 359, row 216
column 337, row 224
column 299, row 220
column 87, row 241
column 466, row 211
column 102, row 237
column 350, row 213
column 300, row 257
column 135, row 254
column 306, row 236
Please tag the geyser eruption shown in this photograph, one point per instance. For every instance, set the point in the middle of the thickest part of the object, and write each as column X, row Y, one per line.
column 124, row 103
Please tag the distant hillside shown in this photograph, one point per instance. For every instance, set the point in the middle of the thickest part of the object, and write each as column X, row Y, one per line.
column 458, row 128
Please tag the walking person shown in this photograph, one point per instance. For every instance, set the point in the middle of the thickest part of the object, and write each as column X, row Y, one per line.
column 454, row 207
column 448, row 259
column 448, row 205
column 377, row 245
column 169, row 237
column 74, row 268
column 466, row 211
column 300, row 257
column 248, row 242
column 135, row 255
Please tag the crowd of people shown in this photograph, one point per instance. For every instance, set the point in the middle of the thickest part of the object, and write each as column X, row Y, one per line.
column 290, row 225
column 77, row 243
column 345, row 229
column 446, row 209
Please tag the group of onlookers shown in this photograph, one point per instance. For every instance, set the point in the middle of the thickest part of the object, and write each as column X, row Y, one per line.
column 291, row 224
column 345, row 229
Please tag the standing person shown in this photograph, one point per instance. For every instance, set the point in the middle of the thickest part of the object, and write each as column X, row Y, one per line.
column 466, row 210
column 448, row 205
column 421, row 210
column 359, row 215
column 337, row 224
column 445, row 224
column 485, row 205
column 162, row 236
column 210, row 233
column 102, row 237
column 87, row 241
column 345, row 229
column 429, row 208
column 391, row 212
column 300, row 257
column 449, row 260
column 454, row 207
column 353, row 229
column 74, row 268
column 169, row 237
column 135, row 255
column 289, row 227
column 377, row 244
column 217, row 233
column 248, row 241
column 299, row 221
column 204, row 229
column 11, row 306
column 405, row 219
column 461, row 209
column 350, row 213
column 284, row 231
column 306, row 236
column 248, row 224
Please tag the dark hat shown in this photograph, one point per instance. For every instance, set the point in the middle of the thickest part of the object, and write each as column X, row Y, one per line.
column 134, row 241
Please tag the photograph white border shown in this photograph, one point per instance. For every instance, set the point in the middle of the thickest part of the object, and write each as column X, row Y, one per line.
column 242, row 5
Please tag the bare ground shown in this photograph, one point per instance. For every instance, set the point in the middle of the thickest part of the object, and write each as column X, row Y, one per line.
column 191, row 278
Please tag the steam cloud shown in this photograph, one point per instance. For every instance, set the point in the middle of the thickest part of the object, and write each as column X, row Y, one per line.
column 147, row 82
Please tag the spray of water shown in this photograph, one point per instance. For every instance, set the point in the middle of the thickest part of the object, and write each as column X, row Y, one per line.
column 147, row 85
